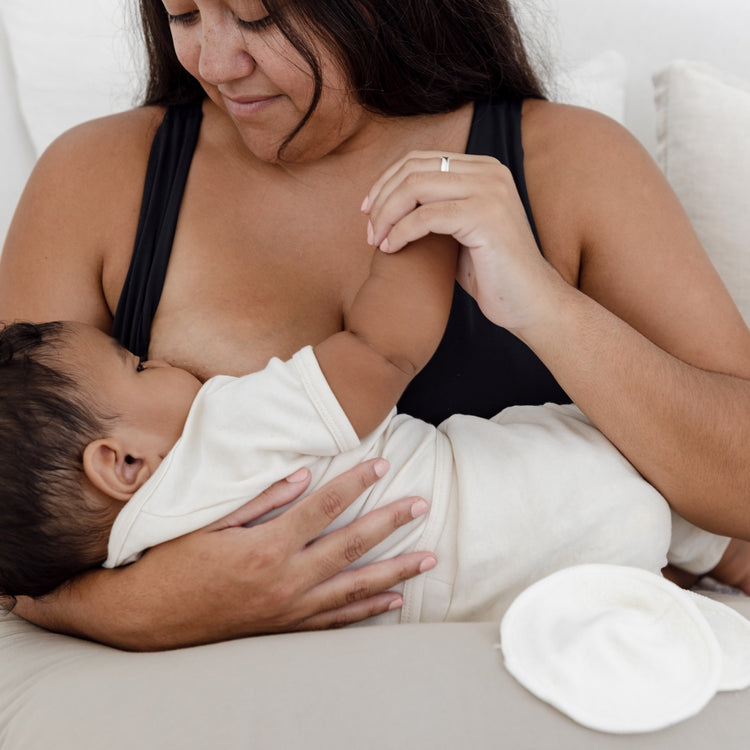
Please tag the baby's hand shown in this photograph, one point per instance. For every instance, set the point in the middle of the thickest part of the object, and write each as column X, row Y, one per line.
column 734, row 567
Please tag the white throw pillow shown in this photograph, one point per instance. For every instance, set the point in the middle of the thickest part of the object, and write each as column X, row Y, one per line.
column 16, row 152
column 73, row 61
column 703, row 147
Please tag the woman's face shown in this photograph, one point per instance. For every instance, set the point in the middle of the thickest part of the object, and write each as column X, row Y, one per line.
column 250, row 71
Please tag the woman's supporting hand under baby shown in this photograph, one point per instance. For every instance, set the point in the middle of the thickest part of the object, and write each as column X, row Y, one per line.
column 276, row 576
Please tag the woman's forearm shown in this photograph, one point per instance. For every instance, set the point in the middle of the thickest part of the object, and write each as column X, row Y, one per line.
column 98, row 605
column 684, row 428
column 136, row 608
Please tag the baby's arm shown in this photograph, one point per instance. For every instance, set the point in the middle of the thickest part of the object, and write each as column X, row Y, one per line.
column 392, row 329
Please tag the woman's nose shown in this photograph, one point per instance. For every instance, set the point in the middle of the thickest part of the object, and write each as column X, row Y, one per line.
column 223, row 56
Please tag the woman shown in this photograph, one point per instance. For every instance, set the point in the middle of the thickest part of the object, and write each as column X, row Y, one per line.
column 293, row 113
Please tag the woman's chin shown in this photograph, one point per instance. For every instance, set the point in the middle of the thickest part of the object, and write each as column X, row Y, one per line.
column 292, row 153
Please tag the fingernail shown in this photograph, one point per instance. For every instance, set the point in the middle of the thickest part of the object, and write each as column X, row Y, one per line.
column 370, row 233
column 380, row 467
column 396, row 604
column 385, row 246
column 365, row 204
column 419, row 508
column 299, row 476
column 427, row 564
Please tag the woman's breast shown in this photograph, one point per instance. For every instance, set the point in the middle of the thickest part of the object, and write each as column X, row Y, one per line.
column 259, row 267
column 227, row 308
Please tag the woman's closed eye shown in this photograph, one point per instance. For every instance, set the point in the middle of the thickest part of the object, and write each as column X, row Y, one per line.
column 259, row 24
column 187, row 19
column 184, row 19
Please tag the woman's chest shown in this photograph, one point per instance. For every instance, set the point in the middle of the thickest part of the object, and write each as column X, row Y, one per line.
column 248, row 281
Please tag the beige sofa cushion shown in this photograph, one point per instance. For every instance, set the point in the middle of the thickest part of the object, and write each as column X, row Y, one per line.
column 384, row 687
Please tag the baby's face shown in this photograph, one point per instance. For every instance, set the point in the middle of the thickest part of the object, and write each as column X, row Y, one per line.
column 150, row 396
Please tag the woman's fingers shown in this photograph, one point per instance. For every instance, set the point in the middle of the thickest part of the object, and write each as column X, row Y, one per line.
column 312, row 515
column 420, row 161
column 286, row 570
column 419, row 191
column 416, row 185
column 306, row 586
column 355, row 595
column 318, row 510
column 277, row 495
column 351, row 613
column 330, row 554
column 381, row 204
column 444, row 217
column 334, row 596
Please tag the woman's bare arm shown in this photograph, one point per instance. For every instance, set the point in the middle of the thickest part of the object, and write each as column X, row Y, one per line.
column 656, row 352
column 74, row 217
column 624, row 308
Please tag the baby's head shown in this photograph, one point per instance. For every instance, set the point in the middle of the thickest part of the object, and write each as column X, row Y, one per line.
column 83, row 424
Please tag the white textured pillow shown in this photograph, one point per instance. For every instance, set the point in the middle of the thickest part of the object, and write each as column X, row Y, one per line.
column 73, row 61
column 703, row 147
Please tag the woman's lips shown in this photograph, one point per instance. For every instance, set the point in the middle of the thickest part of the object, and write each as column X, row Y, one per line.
column 242, row 107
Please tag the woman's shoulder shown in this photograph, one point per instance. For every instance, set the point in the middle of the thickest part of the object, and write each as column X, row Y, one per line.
column 82, row 199
column 94, row 160
column 582, row 169
column 572, row 155
column 566, row 132
column 105, row 140
column 94, row 170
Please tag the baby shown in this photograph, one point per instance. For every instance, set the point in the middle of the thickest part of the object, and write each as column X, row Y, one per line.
column 104, row 456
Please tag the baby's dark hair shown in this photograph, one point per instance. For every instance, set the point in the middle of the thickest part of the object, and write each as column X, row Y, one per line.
column 48, row 530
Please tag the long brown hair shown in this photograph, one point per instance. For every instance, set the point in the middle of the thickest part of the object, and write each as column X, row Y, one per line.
column 402, row 57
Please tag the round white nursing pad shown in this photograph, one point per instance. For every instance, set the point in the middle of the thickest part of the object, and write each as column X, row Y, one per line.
column 732, row 631
column 617, row 649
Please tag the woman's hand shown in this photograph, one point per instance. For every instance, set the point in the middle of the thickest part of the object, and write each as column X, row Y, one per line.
column 228, row 580
column 476, row 202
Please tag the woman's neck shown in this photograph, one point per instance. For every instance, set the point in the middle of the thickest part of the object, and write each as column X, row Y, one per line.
column 374, row 141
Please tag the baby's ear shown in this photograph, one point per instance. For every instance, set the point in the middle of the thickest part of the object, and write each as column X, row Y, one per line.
column 112, row 470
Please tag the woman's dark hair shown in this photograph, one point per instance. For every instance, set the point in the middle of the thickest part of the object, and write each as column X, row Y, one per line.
column 48, row 532
column 168, row 82
column 402, row 57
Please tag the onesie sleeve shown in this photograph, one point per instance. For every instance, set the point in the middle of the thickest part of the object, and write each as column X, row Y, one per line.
column 242, row 434
column 693, row 549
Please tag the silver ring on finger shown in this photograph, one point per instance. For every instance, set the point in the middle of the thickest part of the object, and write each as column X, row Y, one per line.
column 445, row 163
